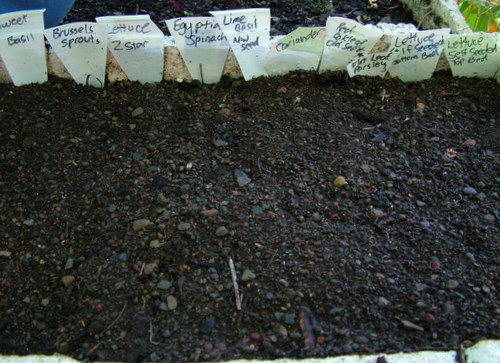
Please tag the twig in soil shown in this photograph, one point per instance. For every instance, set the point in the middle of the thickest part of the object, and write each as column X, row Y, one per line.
column 92, row 350
column 117, row 318
column 151, row 334
column 272, row 258
column 235, row 284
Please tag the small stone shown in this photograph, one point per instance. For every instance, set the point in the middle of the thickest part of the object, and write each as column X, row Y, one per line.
column 221, row 231
column 161, row 199
column 421, row 203
column 469, row 143
column 63, row 347
column 469, row 191
column 150, row 268
column 155, row 243
column 69, row 263
column 141, row 224
column 366, row 168
column 382, row 301
column 184, row 226
column 361, row 339
column 410, row 325
column 5, row 253
column 375, row 214
column 164, row 285
column 29, row 222
column 137, row 112
column 209, row 212
column 68, row 280
column 248, row 275
column 340, row 181
column 471, row 257
column 316, row 217
column 489, row 217
column 45, row 301
column 225, row 112
column 242, row 178
column 122, row 256
column 289, row 318
column 448, row 308
column 171, row 302
column 220, row 143
column 208, row 325
column 452, row 284
column 163, row 306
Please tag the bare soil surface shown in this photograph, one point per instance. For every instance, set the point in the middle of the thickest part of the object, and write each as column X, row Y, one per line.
column 361, row 216
column 286, row 15
column 121, row 208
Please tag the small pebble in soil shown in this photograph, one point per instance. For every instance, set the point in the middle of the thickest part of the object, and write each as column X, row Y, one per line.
column 221, row 231
column 242, row 178
column 68, row 280
column 141, row 224
column 382, row 301
column 248, row 275
column 470, row 191
column 137, row 112
column 171, row 302
column 150, row 268
column 184, row 226
column 164, row 285
column 208, row 324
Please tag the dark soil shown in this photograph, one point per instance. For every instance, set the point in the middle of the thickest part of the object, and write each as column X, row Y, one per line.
column 122, row 207
column 412, row 237
column 287, row 15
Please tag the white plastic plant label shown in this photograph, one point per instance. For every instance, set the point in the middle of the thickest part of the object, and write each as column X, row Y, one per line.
column 473, row 55
column 81, row 47
column 247, row 32
column 346, row 40
column 299, row 50
column 418, row 54
column 373, row 64
column 22, row 46
column 137, row 45
column 202, row 45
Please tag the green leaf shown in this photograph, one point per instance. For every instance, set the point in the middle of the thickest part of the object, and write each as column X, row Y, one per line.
column 482, row 23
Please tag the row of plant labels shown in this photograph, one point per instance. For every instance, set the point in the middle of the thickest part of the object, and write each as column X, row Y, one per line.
column 138, row 46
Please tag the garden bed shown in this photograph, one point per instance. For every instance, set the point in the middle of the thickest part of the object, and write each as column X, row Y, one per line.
column 361, row 214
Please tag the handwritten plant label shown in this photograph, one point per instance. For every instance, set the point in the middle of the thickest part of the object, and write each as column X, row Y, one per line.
column 22, row 46
column 247, row 32
column 138, row 46
column 345, row 40
column 473, row 55
column 81, row 47
column 418, row 54
column 373, row 64
column 202, row 45
column 299, row 50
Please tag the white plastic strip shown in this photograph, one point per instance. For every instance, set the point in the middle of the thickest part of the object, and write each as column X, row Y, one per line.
column 299, row 50
column 137, row 44
column 22, row 46
column 486, row 351
column 247, row 32
column 82, row 49
column 202, row 45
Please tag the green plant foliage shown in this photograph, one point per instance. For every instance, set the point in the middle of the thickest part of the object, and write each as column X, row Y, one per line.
column 481, row 15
